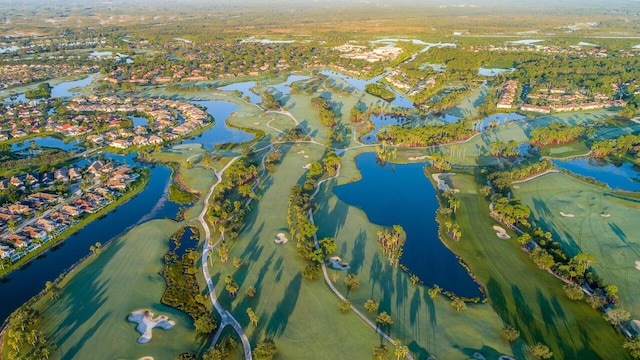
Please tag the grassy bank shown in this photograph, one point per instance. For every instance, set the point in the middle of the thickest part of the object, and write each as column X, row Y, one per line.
column 136, row 187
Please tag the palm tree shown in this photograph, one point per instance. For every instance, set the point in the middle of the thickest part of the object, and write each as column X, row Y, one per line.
column 401, row 350
column 454, row 203
column 371, row 305
column 352, row 282
column 384, row 319
column 344, row 305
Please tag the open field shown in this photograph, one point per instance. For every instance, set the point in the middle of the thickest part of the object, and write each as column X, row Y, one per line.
column 613, row 239
column 526, row 297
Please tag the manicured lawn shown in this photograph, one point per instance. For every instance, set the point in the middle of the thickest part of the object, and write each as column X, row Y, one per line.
column 88, row 321
column 525, row 296
column 614, row 240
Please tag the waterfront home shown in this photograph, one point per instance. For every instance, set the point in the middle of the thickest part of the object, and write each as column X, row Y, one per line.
column 70, row 210
column 120, row 144
column 46, row 224
column 116, row 184
column 33, row 233
column 95, row 167
column 16, row 241
column 140, row 141
column 5, row 251
column 153, row 139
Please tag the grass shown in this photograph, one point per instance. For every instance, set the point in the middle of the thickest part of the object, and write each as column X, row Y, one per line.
column 523, row 295
column 90, row 315
column 613, row 241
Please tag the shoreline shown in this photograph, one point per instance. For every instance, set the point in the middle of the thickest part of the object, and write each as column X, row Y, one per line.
column 48, row 246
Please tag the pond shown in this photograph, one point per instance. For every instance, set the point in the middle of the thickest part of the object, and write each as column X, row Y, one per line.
column 58, row 90
column 150, row 203
column 187, row 241
column 285, row 87
column 492, row 71
column 46, row 142
column 382, row 120
column 408, row 199
column 245, row 89
column 359, row 84
column 139, row 121
column 219, row 133
column 620, row 177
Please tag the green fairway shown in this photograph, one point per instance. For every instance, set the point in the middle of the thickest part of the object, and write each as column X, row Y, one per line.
column 528, row 298
column 89, row 320
column 603, row 224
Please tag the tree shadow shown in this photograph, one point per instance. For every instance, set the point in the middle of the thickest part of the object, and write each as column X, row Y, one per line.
column 280, row 318
column 357, row 253
column 71, row 353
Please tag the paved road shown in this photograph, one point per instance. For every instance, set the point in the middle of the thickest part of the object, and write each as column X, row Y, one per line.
column 226, row 317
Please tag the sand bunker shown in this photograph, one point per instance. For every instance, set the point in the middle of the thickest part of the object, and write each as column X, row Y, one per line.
column 439, row 179
column 479, row 356
column 307, row 166
column 638, row 265
column 566, row 215
column 256, row 123
column 606, row 215
column 501, row 233
column 280, row 239
column 146, row 323
column 146, row 358
column 416, row 158
column 337, row 263
column 635, row 325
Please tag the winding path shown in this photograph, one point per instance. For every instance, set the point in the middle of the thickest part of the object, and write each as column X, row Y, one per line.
column 330, row 283
column 226, row 317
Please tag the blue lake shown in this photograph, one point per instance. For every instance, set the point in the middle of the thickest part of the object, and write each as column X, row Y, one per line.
column 245, row 89
column 380, row 121
column 623, row 177
column 358, row 84
column 139, row 121
column 58, row 90
column 47, row 142
column 150, row 203
column 285, row 87
column 402, row 195
column 219, row 133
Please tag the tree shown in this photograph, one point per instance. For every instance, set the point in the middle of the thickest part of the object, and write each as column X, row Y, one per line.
column 344, row 305
column 352, row 282
column 509, row 333
column 541, row 351
column 596, row 301
column 96, row 248
column 617, row 316
column 253, row 318
column 251, row 291
column 185, row 356
column 52, row 288
column 328, row 245
column 400, row 350
column 633, row 345
column 612, row 291
column 384, row 319
column 380, row 352
column 454, row 203
column 434, row 291
column 265, row 350
column 237, row 263
column 458, row 304
column 371, row 305
column 216, row 353
column 205, row 324
column 573, row 291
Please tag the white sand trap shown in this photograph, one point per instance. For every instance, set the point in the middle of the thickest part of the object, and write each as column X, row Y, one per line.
column 307, row 166
column 146, row 358
column 439, row 179
column 280, row 239
column 479, row 356
column 566, row 215
column 256, row 123
column 516, row 187
column 605, row 215
column 635, row 325
column 301, row 152
column 306, row 156
column 501, row 233
column 638, row 265
column 416, row 158
column 337, row 263
column 146, row 323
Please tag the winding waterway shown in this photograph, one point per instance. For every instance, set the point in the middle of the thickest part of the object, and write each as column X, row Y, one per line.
column 150, row 203
column 402, row 195
column 619, row 177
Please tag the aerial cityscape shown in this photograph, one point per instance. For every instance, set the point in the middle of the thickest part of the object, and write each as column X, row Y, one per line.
column 340, row 179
